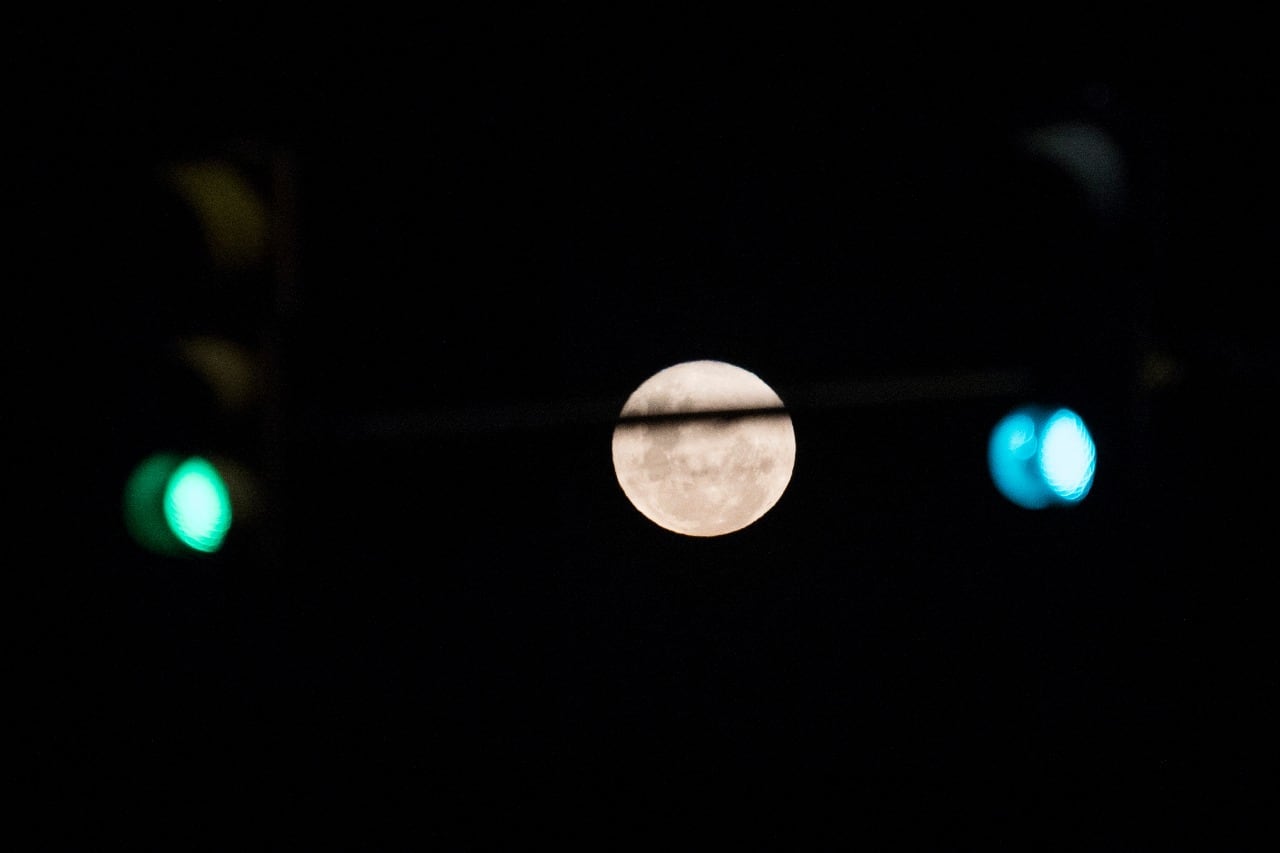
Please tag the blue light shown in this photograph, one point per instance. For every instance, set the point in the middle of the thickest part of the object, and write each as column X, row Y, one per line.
column 1067, row 456
column 1040, row 457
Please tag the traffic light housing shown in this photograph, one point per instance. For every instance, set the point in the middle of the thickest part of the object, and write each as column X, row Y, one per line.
column 194, row 408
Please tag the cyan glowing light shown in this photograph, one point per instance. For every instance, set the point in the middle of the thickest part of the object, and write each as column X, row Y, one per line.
column 1040, row 457
column 1067, row 456
column 175, row 505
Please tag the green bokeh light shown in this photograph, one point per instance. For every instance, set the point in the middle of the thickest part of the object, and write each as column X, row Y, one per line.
column 197, row 506
column 175, row 505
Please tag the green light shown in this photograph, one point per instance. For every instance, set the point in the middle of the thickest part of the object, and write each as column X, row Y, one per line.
column 175, row 505
column 197, row 506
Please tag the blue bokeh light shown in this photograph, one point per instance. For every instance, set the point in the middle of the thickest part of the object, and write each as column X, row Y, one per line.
column 1041, row 457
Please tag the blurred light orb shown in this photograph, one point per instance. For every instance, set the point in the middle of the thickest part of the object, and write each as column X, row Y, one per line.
column 1041, row 457
column 177, row 505
column 197, row 506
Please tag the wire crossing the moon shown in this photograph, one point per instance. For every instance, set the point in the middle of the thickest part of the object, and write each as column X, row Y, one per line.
column 560, row 414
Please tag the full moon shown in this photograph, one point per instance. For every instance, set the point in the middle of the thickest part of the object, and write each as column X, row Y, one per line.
column 710, row 475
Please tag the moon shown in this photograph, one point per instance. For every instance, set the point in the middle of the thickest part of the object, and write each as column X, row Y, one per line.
column 704, row 476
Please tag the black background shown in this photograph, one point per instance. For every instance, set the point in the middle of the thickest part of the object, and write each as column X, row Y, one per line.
column 497, row 232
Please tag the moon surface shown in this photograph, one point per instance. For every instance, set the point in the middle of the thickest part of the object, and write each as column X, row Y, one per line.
column 704, row 476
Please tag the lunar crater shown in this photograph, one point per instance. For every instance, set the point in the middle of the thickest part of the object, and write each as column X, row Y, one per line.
column 704, row 476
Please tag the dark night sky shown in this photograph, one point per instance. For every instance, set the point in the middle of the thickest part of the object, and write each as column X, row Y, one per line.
column 450, row 595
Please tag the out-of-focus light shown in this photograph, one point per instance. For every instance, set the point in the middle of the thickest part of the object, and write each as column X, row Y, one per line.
column 231, row 370
column 176, row 505
column 1090, row 156
column 197, row 506
column 232, row 213
column 1041, row 457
